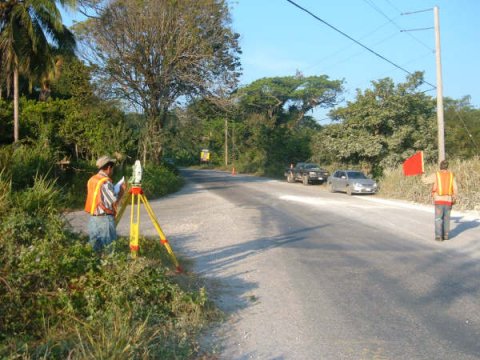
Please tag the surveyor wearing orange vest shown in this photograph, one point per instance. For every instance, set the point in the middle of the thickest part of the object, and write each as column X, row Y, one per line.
column 444, row 192
column 101, row 204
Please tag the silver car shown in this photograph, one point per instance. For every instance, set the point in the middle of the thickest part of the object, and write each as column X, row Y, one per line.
column 351, row 182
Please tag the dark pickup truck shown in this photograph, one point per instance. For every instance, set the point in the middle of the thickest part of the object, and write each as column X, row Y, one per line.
column 308, row 173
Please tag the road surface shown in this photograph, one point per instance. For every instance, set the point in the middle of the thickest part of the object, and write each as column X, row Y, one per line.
column 306, row 274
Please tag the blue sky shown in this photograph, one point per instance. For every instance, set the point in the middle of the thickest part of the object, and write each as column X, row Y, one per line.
column 277, row 39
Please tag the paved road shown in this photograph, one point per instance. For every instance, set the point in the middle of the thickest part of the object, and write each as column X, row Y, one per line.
column 306, row 274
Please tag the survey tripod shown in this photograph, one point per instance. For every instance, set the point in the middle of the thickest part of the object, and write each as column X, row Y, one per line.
column 135, row 198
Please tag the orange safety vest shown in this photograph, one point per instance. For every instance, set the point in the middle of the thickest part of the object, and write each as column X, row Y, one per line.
column 444, row 185
column 94, row 196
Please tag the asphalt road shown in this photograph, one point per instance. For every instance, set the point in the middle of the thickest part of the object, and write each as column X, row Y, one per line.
column 306, row 274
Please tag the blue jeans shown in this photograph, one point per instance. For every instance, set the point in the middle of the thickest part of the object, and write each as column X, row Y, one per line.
column 442, row 220
column 102, row 231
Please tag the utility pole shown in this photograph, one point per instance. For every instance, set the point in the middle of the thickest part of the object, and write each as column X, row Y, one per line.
column 440, row 121
column 226, row 142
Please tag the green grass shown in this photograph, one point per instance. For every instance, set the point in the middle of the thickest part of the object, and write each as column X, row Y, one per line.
column 59, row 299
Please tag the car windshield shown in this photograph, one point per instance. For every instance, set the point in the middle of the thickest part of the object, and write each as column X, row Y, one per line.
column 311, row 166
column 356, row 175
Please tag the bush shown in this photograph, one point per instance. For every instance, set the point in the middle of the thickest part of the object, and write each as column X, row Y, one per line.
column 395, row 185
column 22, row 163
column 159, row 181
column 58, row 298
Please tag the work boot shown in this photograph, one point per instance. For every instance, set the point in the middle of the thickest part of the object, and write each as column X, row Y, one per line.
column 445, row 237
column 438, row 238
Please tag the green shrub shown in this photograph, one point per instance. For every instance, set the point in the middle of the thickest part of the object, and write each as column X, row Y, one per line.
column 159, row 181
column 22, row 163
column 5, row 191
column 59, row 299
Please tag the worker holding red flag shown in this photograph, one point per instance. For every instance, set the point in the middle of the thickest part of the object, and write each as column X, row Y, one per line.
column 444, row 192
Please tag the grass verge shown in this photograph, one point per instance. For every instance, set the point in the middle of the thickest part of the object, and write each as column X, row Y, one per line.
column 59, row 299
column 467, row 173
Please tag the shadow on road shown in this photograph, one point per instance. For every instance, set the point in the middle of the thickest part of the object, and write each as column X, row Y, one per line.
column 462, row 225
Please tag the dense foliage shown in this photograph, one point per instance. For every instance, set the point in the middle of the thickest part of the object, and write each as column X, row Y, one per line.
column 266, row 128
column 154, row 53
column 33, row 41
column 462, row 129
column 176, row 63
column 59, row 299
column 382, row 127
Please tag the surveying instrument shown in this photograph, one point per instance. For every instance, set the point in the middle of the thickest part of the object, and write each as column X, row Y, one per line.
column 135, row 197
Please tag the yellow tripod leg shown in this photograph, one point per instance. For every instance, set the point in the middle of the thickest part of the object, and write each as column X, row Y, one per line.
column 163, row 238
column 123, row 206
column 134, row 225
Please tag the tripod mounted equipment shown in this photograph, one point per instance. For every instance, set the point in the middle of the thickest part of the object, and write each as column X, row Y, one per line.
column 135, row 198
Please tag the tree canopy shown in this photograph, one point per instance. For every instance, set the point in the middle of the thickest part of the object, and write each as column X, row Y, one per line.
column 383, row 126
column 155, row 53
column 287, row 99
column 31, row 36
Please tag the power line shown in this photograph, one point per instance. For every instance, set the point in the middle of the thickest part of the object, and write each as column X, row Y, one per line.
column 370, row 2
column 349, row 57
column 413, row 60
column 355, row 41
column 345, row 48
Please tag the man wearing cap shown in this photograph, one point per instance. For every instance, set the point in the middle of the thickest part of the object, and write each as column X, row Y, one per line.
column 444, row 192
column 101, row 204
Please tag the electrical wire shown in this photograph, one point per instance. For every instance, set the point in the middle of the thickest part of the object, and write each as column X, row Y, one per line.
column 403, row 64
column 376, row 8
column 344, row 48
column 360, row 52
column 356, row 41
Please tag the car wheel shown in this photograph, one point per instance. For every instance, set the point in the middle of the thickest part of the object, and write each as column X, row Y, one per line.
column 290, row 178
column 349, row 190
column 330, row 188
column 305, row 180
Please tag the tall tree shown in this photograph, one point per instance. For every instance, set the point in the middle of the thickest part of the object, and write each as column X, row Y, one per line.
column 382, row 127
column 287, row 99
column 462, row 128
column 154, row 52
column 26, row 27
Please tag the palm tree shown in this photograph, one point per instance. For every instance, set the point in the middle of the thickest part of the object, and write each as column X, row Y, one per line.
column 26, row 26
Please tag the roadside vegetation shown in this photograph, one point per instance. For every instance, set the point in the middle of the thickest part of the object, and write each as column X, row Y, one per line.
column 395, row 185
column 59, row 299
column 375, row 133
column 68, row 96
column 58, row 113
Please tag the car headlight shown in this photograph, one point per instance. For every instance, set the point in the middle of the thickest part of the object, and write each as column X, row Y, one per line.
column 357, row 185
column 312, row 173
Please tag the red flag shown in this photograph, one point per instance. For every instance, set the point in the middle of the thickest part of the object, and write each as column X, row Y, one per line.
column 413, row 165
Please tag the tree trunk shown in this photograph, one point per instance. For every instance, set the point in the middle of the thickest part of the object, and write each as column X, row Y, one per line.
column 144, row 153
column 44, row 92
column 226, row 142
column 15, row 104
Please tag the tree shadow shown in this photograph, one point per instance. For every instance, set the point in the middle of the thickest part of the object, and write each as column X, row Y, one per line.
column 221, row 258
